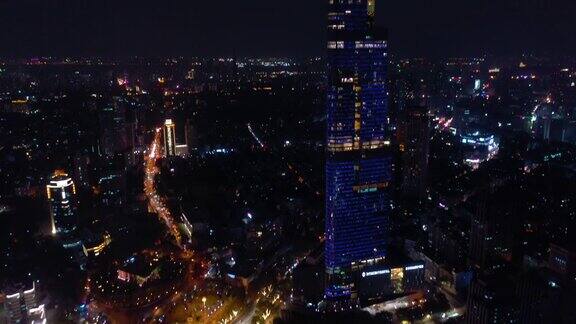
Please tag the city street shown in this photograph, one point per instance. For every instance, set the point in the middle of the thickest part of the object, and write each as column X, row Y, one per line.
column 155, row 201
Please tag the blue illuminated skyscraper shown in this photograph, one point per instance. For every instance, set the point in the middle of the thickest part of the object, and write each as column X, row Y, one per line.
column 358, row 165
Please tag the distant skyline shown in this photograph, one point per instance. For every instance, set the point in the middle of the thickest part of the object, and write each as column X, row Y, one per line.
column 278, row 28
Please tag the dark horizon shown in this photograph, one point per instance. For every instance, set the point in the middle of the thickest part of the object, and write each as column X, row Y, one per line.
column 416, row 28
column 287, row 161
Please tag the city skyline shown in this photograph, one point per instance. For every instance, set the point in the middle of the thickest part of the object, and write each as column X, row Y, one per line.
column 274, row 162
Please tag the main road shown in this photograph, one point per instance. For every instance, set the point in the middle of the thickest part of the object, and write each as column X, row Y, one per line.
column 156, row 203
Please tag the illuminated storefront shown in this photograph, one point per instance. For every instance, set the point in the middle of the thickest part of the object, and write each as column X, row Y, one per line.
column 378, row 282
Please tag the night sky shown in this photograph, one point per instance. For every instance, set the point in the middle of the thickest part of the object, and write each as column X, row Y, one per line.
column 279, row 27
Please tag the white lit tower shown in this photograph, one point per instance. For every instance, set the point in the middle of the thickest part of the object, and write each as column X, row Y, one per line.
column 169, row 138
column 61, row 193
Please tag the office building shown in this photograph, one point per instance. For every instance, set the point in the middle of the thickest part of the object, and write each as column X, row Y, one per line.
column 414, row 143
column 381, row 281
column 479, row 147
column 139, row 270
column 169, row 138
column 37, row 315
column 182, row 150
column 113, row 128
column 93, row 244
column 82, row 169
column 359, row 164
column 492, row 299
column 21, row 304
column 191, row 136
column 112, row 186
column 61, row 193
column 562, row 261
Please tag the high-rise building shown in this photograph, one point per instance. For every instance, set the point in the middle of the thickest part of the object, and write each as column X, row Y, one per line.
column 169, row 138
column 113, row 128
column 482, row 233
column 61, row 193
column 82, row 167
column 491, row 241
column 112, row 185
column 492, row 299
column 414, row 142
column 359, row 164
column 191, row 136
column 181, row 150
column 21, row 305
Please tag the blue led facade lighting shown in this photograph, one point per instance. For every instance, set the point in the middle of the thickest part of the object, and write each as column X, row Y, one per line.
column 358, row 164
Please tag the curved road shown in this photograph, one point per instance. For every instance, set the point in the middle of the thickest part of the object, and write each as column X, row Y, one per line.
column 155, row 202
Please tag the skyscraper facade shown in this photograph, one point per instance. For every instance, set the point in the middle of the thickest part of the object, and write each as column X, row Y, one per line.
column 191, row 135
column 359, row 163
column 61, row 193
column 169, row 138
column 414, row 142
column 114, row 137
column 21, row 305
